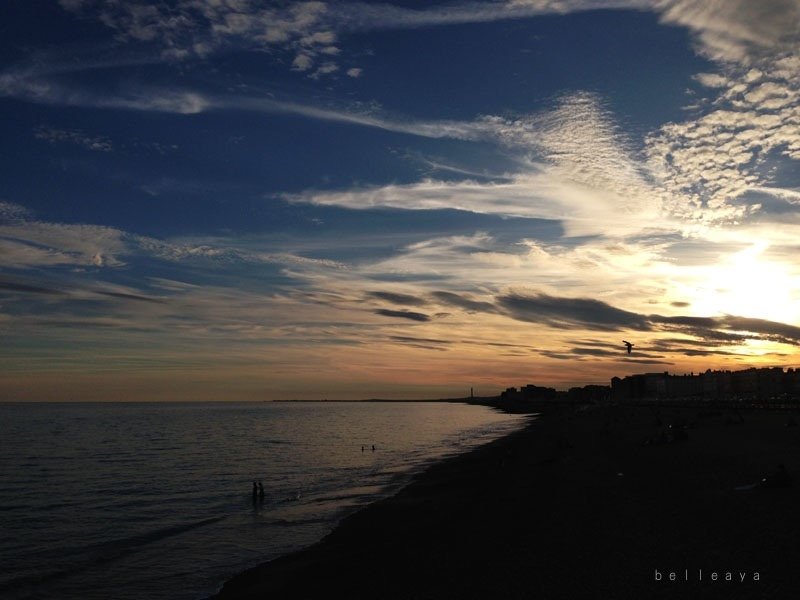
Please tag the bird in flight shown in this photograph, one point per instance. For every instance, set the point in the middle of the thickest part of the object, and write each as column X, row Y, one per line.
column 628, row 345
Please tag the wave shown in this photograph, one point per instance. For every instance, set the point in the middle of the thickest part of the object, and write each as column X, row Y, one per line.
column 106, row 550
column 104, row 553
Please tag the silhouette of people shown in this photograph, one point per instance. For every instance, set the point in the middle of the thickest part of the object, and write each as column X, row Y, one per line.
column 373, row 447
column 362, row 447
column 255, row 491
column 260, row 491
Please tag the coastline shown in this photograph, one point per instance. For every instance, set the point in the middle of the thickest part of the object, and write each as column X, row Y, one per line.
column 596, row 503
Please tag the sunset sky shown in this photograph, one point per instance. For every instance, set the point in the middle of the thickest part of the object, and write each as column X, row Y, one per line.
column 231, row 199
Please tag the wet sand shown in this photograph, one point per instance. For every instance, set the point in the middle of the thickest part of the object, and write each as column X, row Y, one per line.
column 576, row 505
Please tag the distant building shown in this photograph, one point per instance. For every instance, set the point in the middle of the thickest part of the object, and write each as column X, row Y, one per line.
column 535, row 393
column 751, row 384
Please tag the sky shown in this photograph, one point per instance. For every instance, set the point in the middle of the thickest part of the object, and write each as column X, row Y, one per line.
column 243, row 200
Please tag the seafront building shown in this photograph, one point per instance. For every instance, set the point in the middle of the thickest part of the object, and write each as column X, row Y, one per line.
column 767, row 384
column 588, row 394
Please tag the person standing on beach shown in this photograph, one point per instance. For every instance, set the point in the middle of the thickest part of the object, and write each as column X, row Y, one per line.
column 260, row 492
column 255, row 491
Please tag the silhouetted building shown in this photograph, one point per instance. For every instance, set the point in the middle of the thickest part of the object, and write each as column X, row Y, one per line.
column 581, row 395
column 589, row 394
column 767, row 384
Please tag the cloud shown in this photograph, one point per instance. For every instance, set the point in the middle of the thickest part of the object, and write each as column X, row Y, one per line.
column 325, row 68
column 736, row 30
column 355, row 72
column 12, row 212
column 225, row 251
column 579, row 169
column 577, row 166
column 582, row 142
column 27, row 243
column 596, row 315
column 128, row 296
column 422, row 343
column 34, row 85
column 618, row 354
column 730, row 30
column 463, row 301
column 302, row 62
column 707, row 163
column 403, row 314
column 96, row 143
column 32, row 243
column 195, row 29
column 582, row 354
column 568, row 312
column 712, row 80
column 15, row 286
column 308, row 30
column 520, row 198
column 418, row 340
column 397, row 298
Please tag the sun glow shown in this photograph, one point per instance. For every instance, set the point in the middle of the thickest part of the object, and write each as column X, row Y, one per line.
column 747, row 284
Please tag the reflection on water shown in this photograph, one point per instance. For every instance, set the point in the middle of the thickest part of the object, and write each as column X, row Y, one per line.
column 156, row 500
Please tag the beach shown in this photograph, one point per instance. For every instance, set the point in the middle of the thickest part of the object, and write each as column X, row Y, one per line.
column 605, row 502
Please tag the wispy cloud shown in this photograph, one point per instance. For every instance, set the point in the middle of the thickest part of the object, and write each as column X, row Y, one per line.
column 96, row 143
column 736, row 30
column 12, row 212
column 34, row 243
column 33, row 84
column 398, row 298
column 27, row 242
column 568, row 312
column 16, row 286
column 403, row 314
column 578, row 165
column 309, row 31
column 595, row 315
column 579, row 169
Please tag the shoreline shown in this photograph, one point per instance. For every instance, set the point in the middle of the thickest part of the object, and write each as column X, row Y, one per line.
column 492, row 402
column 592, row 503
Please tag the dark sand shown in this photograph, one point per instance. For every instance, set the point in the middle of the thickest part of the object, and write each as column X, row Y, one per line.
column 573, row 506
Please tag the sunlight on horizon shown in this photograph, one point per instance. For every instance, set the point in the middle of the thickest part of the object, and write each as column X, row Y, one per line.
column 747, row 284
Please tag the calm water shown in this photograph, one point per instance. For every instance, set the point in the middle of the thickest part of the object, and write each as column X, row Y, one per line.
column 154, row 500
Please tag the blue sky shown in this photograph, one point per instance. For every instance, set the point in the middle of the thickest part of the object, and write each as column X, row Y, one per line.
column 230, row 199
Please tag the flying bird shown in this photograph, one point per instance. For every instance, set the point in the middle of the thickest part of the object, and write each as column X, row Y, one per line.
column 628, row 345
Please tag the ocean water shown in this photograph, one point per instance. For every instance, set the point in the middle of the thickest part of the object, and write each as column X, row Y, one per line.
column 146, row 500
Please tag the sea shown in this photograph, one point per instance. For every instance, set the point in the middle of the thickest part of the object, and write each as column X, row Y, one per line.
column 154, row 500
